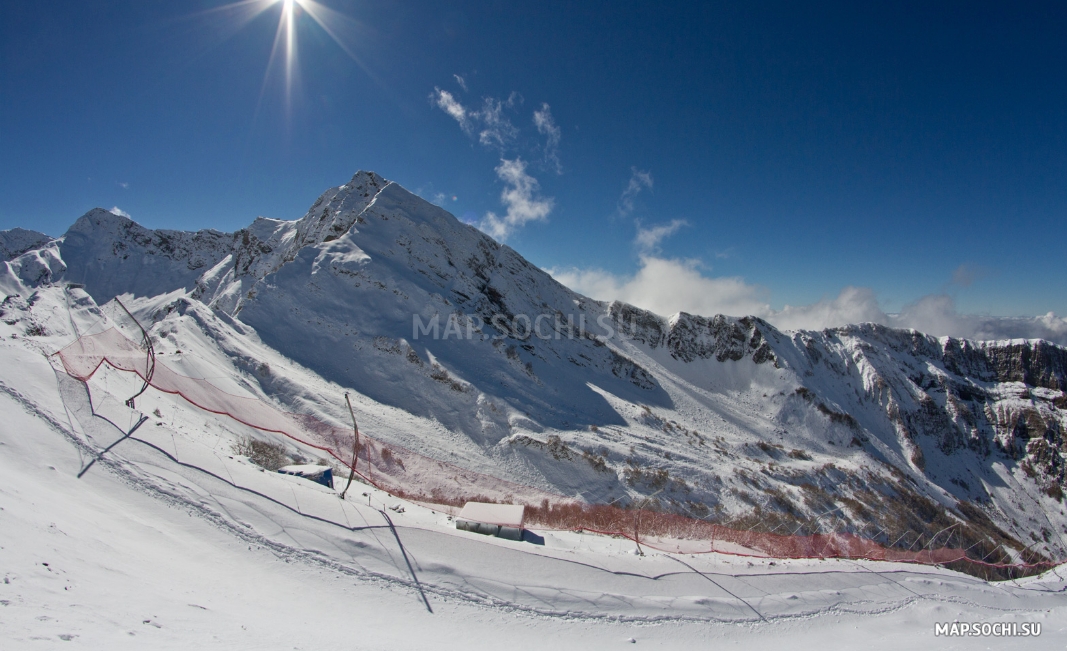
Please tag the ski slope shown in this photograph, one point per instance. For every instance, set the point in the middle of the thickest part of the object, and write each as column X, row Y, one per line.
column 162, row 538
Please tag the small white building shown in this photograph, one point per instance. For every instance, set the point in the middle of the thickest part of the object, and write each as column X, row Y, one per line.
column 501, row 520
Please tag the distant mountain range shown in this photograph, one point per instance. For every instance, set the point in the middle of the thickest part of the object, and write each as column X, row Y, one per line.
column 888, row 433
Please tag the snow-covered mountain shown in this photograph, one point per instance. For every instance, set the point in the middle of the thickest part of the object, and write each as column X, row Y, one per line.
column 460, row 349
column 17, row 241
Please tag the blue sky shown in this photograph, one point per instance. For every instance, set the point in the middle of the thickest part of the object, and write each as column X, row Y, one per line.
column 776, row 154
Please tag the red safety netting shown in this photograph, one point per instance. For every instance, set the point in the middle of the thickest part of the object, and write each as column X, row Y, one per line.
column 389, row 467
column 679, row 534
column 407, row 474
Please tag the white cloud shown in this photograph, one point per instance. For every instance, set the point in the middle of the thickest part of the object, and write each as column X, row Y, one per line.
column 497, row 130
column 124, row 185
column 648, row 239
column 936, row 314
column 493, row 126
column 547, row 127
column 933, row 314
column 447, row 103
column 120, row 212
column 462, row 82
column 852, row 305
column 522, row 193
column 667, row 286
column 522, row 198
column 638, row 181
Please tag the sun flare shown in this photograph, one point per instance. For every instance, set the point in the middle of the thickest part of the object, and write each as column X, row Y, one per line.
column 284, row 51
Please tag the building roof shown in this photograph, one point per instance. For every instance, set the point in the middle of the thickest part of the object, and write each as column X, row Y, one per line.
column 306, row 470
column 505, row 515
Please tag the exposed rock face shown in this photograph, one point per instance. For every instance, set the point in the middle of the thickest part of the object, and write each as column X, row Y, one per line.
column 954, row 396
column 1037, row 364
column 640, row 325
column 689, row 337
column 724, row 338
column 17, row 241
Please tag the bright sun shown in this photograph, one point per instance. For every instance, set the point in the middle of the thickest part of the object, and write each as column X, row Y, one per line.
column 284, row 50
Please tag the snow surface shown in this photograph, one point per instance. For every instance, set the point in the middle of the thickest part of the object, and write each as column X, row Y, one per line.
column 505, row 515
column 166, row 541
column 304, row 469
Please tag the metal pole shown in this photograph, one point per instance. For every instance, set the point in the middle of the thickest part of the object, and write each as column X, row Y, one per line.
column 150, row 363
column 355, row 447
column 637, row 516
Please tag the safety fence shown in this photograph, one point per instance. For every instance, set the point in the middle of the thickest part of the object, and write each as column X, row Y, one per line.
column 390, row 467
column 675, row 533
column 410, row 475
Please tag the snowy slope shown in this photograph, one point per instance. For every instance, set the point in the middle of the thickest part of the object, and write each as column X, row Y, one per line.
column 887, row 433
column 158, row 536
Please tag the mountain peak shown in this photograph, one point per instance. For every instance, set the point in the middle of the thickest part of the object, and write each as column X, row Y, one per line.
column 337, row 209
column 17, row 241
column 365, row 180
column 100, row 218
